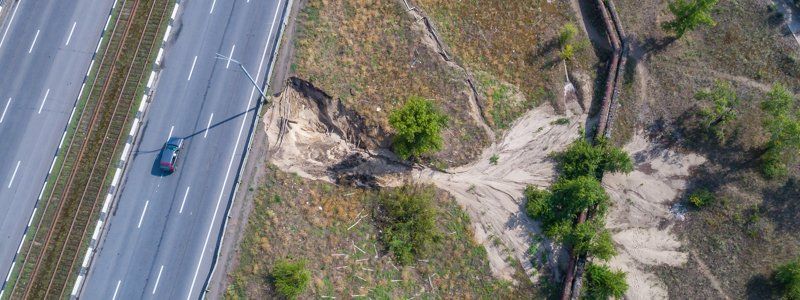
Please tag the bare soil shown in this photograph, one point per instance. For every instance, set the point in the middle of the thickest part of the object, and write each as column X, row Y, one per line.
column 643, row 214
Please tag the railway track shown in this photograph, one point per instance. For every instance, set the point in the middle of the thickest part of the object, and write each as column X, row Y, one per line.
column 51, row 257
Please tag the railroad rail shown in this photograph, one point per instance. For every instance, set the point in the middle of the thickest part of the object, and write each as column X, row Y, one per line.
column 49, row 260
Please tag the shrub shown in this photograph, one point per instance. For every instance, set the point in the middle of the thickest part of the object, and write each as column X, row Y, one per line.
column 783, row 126
column 409, row 227
column 689, row 15
column 537, row 204
column 291, row 278
column 788, row 279
column 565, row 41
column 493, row 160
column 603, row 283
column 724, row 102
column 701, row 198
column 418, row 125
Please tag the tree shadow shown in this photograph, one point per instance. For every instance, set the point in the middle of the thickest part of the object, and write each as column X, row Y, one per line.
column 761, row 287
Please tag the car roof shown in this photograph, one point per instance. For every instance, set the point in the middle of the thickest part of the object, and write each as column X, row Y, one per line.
column 176, row 141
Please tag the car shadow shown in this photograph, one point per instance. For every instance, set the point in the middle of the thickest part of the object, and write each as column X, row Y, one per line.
column 155, row 170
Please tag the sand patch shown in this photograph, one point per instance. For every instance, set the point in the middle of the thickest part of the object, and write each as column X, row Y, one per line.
column 492, row 193
column 640, row 217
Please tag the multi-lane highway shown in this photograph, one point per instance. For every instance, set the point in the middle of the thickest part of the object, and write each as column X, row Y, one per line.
column 45, row 51
column 160, row 239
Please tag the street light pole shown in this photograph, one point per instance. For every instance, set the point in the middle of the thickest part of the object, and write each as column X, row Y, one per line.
column 220, row 56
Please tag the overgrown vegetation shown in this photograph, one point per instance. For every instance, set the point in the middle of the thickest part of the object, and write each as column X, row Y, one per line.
column 788, row 279
column 689, row 14
column 783, row 126
column 291, row 278
column 418, row 125
column 409, row 222
column 578, row 190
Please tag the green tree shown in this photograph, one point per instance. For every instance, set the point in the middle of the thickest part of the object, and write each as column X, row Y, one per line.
column 788, row 278
column 603, row 283
column 409, row 222
column 723, row 108
column 591, row 239
column 689, row 14
column 783, row 126
column 291, row 278
column 585, row 159
column 569, row 197
column 418, row 125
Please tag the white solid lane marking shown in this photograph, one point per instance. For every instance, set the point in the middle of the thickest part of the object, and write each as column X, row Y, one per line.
column 208, row 126
column 70, row 33
column 34, row 41
column 9, row 24
column 43, row 101
column 14, row 175
column 5, row 109
column 230, row 164
column 212, row 7
column 158, row 279
column 116, row 290
column 184, row 199
column 192, row 70
column 170, row 132
column 229, row 57
column 144, row 210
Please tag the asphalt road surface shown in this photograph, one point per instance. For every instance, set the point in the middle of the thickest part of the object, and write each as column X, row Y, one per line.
column 45, row 50
column 162, row 233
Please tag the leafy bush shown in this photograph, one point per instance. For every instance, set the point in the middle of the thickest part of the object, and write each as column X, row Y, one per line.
column 603, row 283
column 689, row 15
column 584, row 159
column 494, row 159
column 724, row 103
column 788, row 278
column 291, row 278
column 783, row 126
column 538, row 201
column 701, row 197
column 418, row 125
column 409, row 227
column 565, row 41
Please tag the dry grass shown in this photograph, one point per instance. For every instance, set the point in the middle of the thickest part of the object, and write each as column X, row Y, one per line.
column 319, row 222
column 511, row 47
column 365, row 53
column 752, row 226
